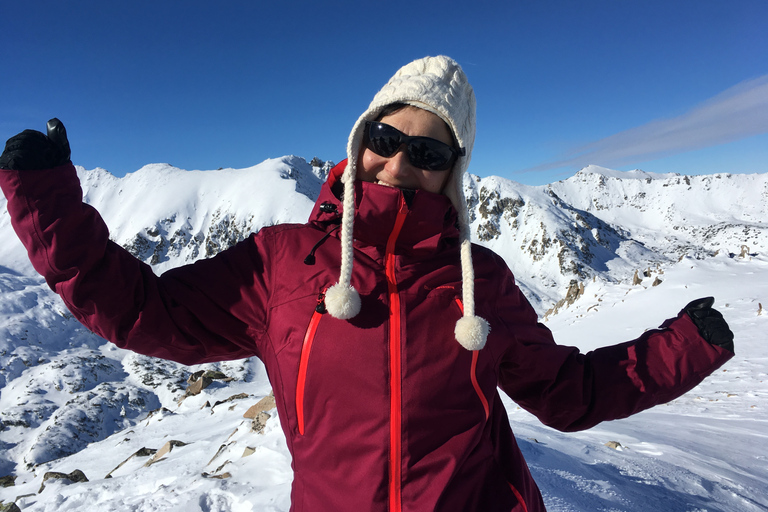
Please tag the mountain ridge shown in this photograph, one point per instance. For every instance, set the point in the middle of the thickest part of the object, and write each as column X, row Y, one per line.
column 595, row 224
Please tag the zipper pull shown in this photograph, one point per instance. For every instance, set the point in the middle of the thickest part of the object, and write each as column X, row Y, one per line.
column 404, row 202
column 320, row 306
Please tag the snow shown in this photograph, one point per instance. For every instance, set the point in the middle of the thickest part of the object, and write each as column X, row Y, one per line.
column 706, row 450
column 635, row 174
column 69, row 400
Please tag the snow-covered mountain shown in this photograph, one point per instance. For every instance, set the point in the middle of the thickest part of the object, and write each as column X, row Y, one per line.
column 601, row 255
column 604, row 224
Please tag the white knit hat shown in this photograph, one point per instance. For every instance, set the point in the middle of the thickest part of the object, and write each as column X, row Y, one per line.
column 438, row 85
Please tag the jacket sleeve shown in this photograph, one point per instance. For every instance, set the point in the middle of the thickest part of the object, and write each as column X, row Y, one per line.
column 571, row 391
column 208, row 311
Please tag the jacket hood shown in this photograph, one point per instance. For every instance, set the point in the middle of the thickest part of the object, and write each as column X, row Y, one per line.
column 432, row 221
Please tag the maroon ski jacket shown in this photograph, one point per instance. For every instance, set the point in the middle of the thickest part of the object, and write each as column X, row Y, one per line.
column 383, row 412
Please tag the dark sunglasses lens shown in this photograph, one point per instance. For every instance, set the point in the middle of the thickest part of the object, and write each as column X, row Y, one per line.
column 430, row 155
column 383, row 139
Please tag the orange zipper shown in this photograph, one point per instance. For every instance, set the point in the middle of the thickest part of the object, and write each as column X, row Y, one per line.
column 395, row 364
column 473, row 373
column 306, row 348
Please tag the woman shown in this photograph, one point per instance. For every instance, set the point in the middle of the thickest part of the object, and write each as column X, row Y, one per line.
column 384, row 376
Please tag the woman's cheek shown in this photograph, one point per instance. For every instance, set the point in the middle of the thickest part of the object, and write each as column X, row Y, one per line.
column 366, row 165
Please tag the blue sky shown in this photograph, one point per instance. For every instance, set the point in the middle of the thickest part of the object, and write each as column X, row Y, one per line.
column 664, row 86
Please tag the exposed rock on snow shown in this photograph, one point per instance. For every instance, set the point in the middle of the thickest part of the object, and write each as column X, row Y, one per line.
column 258, row 413
column 9, row 507
column 260, row 422
column 265, row 404
column 201, row 380
column 68, row 478
column 163, row 451
column 142, row 452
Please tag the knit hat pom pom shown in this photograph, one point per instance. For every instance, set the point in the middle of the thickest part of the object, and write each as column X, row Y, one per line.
column 342, row 301
column 471, row 332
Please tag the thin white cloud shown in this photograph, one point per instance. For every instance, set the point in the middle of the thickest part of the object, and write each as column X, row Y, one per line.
column 738, row 112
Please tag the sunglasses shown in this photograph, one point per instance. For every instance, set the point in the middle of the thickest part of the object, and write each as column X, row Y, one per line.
column 423, row 152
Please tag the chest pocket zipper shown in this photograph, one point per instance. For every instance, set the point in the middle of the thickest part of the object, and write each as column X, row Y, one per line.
column 306, row 348
column 473, row 373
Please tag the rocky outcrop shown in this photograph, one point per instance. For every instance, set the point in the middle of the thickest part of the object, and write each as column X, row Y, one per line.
column 200, row 380
column 492, row 209
column 168, row 239
column 238, row 396
column 143, row 452
column 575, row 290
column 181, row 237
column 258, row 414
column 163, row 451
column 265, row 404
column 68, row 478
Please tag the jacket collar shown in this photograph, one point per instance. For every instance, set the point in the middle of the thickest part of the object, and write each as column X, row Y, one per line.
column 430, row 219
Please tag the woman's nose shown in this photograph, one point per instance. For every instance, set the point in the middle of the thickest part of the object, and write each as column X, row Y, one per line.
column 399, row 164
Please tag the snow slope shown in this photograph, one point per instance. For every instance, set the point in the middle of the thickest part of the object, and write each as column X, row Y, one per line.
column 69, row 400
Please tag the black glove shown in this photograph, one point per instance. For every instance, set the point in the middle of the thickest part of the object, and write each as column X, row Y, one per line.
column 31, row 150
column 710, row 322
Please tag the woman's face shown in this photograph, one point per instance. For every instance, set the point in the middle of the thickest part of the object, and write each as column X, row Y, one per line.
column 396, row 170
